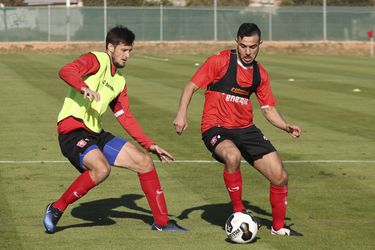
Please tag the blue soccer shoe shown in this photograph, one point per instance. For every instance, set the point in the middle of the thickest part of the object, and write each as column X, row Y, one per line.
column 171, row 226
column 51, row 218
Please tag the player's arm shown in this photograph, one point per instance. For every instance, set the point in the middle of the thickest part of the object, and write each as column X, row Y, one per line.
column 267, row 102
column 73, row 73
column 275, row 118
column 202, row 77
column 120, row 106
column 180, row 122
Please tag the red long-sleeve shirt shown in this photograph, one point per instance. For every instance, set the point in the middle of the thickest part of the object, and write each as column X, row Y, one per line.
column 73, row 73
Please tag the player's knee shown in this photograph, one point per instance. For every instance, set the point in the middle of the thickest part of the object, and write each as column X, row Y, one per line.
column 232, row 160
column 101, row 171
column 146, row 164
column 281, row 180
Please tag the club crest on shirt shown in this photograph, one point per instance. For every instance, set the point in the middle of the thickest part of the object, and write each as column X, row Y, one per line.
column 81, row 143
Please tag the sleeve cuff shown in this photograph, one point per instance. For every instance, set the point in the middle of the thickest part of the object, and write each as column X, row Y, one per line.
column 78, row 88
column 147, row 146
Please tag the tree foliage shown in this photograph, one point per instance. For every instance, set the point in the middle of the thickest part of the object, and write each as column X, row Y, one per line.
column 12, row 2
column 208, row 2
column 329, row 2
column 126, row 2
column 219, row 2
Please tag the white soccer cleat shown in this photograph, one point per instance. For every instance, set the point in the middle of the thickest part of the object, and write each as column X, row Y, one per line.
column 285, row 231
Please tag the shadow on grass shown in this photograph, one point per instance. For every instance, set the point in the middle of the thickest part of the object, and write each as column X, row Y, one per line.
column 102, row 212
column 217, row 214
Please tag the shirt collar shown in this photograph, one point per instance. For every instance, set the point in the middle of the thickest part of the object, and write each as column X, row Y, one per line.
column 243, row 66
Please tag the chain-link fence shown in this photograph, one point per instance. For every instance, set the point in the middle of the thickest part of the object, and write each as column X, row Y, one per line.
column 182, row 23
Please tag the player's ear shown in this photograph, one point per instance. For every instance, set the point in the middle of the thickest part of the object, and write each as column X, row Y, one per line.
column 111, row 47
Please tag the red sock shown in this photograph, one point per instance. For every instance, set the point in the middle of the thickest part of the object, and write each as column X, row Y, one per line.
column 278, row 199
column 77, row 189
column 154, row 193
column 233, row 182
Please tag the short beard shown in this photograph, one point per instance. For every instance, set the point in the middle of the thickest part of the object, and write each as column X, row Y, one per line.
column 119, row 66
column 247, row 64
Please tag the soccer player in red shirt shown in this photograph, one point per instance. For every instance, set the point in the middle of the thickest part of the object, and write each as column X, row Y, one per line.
column 228, row 131
column 95, row 84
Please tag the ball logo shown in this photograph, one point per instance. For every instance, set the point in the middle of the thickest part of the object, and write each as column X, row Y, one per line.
column 235, row 233
column 228, row 224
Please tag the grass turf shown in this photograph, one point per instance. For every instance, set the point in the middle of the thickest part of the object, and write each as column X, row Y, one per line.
column 330, row 203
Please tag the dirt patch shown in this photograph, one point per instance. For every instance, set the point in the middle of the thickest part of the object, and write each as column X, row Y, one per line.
column 192, row 47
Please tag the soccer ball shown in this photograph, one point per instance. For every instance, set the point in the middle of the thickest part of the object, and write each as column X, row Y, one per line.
column 241, row 227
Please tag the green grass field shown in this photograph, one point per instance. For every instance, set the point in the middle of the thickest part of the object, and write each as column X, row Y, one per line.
column 331, row 167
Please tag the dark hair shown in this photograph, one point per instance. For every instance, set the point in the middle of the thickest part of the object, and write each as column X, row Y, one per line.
column 248, row 29
column 119, row 34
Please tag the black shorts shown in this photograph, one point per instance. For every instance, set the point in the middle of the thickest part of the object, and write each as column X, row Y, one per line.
column 250, row 141
column 76, row 144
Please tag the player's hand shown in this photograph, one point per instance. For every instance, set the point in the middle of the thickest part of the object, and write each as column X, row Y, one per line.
column 163, row 155
column 293, row 130
column 90, row 94
column 180, row 124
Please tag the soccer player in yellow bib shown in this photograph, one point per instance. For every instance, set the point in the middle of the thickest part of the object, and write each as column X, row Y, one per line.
column 94, row 85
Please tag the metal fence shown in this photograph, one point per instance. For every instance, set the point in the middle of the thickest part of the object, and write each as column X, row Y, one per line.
column 182, row 23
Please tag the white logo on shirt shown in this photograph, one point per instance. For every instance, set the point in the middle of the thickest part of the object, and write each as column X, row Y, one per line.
column 236, row 99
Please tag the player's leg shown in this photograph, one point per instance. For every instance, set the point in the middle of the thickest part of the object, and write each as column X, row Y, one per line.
column 97, row 169
column 260, row 153
column 220, row 143
column 229, row 154
column 130, row 157
column 270, row 165
column 81, row 149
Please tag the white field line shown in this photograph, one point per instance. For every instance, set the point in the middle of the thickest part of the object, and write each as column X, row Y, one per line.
column 195, row 161
column 153, row 58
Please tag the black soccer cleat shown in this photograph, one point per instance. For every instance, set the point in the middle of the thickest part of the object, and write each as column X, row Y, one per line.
column 51, row 218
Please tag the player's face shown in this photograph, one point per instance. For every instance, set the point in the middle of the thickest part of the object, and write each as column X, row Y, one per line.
column 248, row 48
column 119, row 54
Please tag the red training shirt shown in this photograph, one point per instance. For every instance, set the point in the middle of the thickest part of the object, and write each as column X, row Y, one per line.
column 230, row 111
column 72, row 73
